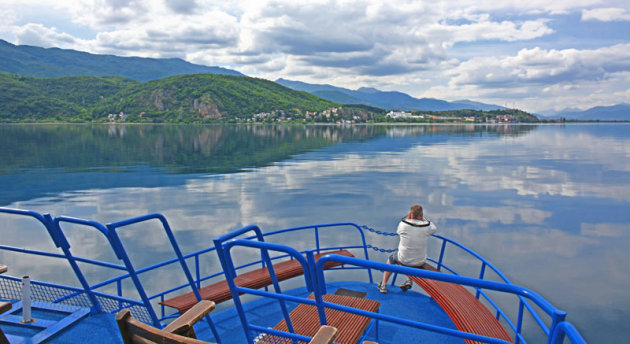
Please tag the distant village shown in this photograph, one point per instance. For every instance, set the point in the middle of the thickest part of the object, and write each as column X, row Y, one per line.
column 485, row 119
column 331, row 114
column 340, row 115
column 350, row 115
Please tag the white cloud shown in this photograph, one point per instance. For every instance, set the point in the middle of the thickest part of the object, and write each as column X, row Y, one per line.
column 412, row 46
column 606, row 14
column 109, row 13
column 539, row 79
column 39, row 35
column 542, row 66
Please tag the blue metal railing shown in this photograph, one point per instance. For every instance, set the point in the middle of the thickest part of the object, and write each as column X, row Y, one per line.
column 54, row 229
column 523, row 303
column 567, row 329
column 555, row 332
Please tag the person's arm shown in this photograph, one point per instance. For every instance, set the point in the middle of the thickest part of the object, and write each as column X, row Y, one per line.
column 432, row 227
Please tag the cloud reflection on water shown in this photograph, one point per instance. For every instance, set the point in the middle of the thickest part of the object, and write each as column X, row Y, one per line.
column 546, row 206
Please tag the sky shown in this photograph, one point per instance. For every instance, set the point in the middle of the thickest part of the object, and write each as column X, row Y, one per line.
column 535, row 55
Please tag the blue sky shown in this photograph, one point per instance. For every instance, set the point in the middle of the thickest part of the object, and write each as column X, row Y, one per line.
column 534, row 55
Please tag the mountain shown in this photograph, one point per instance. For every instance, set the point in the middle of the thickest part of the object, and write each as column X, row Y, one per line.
column 386, row 100
column 469, row 104
column 54, row 62
column 619, row 112
column 181, row 98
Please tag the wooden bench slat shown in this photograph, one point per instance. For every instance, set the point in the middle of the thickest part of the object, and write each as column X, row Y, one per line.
column 255, row 279
column 465, row 310
column 350, row 327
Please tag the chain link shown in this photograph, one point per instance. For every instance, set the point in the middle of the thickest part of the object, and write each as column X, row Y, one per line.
column 375, row 248
column 379, row 232
column 382, row 249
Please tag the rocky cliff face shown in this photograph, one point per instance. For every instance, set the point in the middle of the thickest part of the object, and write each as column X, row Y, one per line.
column 160, row 99
column 206, row 108
column 164, row 100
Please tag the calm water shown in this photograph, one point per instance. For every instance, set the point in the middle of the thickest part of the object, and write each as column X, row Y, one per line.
column 549, row 205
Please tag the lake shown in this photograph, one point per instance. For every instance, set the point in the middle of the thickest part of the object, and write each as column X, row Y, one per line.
column 548, row 204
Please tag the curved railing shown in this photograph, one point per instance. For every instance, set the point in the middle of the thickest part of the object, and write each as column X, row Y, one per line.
column 558, row 328
column 524, row 305
column 96, row 299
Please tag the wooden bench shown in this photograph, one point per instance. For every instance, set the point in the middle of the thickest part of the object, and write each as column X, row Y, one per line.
column 465, row 310
column 254, row 279
column 305, row 320
column 4, row 307
column 181, row 330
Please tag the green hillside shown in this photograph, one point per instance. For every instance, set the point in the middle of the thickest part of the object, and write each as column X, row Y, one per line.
column 182, row 98
column 55, row 62
column 206, row 97
column 28, row 99
column 197, row 98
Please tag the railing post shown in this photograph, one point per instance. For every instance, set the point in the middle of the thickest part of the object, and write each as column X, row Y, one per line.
column 319, row 288
column 26, row 301
column 197, row 271
column 519, row 323
column 441, row 259
column 481, row 273
column 557, row 318
column 230, row 275
column 60, row 241
column 122, row 255
column 119, row 290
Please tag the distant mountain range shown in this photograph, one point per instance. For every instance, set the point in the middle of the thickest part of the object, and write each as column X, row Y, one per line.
column 619, row 112
column 385, row 100
column 54, row 62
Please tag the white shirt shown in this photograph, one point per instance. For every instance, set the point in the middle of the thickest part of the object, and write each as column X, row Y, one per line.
column 412, row 248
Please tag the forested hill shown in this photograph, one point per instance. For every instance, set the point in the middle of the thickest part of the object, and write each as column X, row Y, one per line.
column 55, row 62
column 181, row 98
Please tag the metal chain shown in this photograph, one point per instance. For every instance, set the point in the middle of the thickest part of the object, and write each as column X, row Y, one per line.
column 375, row 248
column 381, row 249
column 379, row 232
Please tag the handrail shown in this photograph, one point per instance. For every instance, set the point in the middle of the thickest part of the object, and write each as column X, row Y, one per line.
column 325, row 225
column 61, row 242
column 484, row 263
column 566, row 328
column 473, row 253
column 558, row 328
column 122, row 254
column 264, row 247
column 557, row 316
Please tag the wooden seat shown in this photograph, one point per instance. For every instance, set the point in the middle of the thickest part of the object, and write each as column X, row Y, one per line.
column 255, row 279
column 350, row 326
column 4, row 306
column 465, row 310
column 181, row 330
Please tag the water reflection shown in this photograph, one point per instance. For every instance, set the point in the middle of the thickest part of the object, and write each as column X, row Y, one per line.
column 548, row 204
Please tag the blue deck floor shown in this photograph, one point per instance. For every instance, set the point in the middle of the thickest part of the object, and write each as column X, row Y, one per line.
column 412, row 304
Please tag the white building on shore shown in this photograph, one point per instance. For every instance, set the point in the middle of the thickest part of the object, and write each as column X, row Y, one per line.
column 402, row 114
